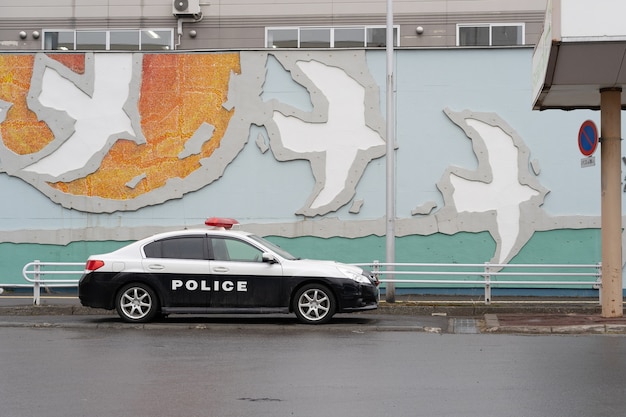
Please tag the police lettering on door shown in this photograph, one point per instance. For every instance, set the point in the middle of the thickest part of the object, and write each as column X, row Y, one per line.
column 215, row 286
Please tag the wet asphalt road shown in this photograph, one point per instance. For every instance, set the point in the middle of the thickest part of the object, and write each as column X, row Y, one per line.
column 284, row 371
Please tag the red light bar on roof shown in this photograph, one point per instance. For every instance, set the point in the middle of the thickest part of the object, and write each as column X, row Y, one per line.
column 224, row 222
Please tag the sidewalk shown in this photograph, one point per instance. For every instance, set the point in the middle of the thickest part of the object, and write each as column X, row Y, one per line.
column 521, row 316
column 555, row 323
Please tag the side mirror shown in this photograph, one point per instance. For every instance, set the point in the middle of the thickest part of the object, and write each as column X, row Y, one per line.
column 269, row 258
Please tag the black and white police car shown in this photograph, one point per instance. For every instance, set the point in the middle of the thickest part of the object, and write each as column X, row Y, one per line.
column 221, row 270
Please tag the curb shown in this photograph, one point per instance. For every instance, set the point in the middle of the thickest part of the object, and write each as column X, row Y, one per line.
column 214, row 327
column 479, row 309
column 417, row 308
column 492, row 325
column 53, row 310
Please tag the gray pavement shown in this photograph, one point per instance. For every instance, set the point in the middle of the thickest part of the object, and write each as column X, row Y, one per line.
column 408, row 313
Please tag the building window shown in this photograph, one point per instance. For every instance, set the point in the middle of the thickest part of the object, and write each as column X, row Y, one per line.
column 63, row 40
column 497, row 34
column 348, row 37
column 91, row 40
column 156, row 40
column 109, row 40
column 124, row 40
column 376, row 37
column 281, row 38
column 314, row 38
column 329, row 37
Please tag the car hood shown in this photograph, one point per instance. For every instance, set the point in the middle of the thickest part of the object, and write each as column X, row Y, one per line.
column 319, row 267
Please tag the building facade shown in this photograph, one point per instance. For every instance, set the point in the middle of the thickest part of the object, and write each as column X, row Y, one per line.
column 100, row 148
column 245, row 24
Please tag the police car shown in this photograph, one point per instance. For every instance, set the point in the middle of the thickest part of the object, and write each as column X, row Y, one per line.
column 221, row 270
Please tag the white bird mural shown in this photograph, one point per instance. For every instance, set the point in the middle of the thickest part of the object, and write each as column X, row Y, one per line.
column 339, row 140
column 99, row 117
column 502, row 184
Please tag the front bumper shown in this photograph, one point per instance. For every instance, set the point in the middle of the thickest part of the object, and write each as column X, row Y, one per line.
column 360, row 298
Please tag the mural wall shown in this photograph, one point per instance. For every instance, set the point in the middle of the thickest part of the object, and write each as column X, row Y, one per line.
column 97, row 149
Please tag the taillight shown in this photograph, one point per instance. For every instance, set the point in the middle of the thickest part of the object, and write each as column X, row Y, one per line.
column 93, row 264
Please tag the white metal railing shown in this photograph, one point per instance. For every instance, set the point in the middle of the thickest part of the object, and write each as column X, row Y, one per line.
column 486, row 274
column 36, row 274
column 489, row 274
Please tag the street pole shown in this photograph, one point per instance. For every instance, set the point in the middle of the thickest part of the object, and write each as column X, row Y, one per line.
column 390, row 217
column 611, row 201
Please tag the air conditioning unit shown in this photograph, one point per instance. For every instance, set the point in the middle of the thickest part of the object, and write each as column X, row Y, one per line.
column 186, row 7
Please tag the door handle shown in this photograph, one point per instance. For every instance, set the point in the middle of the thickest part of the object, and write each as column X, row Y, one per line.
column 156, row 267
column 220, row 269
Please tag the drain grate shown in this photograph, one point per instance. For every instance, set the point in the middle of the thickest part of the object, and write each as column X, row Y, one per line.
column 466, row 326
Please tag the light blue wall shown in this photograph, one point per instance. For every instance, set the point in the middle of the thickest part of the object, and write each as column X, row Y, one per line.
column 258, row 189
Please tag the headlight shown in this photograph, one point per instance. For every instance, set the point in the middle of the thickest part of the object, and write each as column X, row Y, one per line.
column 349, row 273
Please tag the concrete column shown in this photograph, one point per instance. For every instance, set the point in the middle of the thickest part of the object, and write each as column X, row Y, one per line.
column 610, row 134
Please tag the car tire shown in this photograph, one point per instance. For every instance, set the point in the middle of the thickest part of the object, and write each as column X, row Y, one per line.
column 314, row 304
column 137, row 303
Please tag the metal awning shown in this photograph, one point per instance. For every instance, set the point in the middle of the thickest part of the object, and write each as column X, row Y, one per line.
column 582, row 50
column 579, row 64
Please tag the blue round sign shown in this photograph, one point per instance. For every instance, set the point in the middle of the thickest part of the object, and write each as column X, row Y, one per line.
column 588, row 138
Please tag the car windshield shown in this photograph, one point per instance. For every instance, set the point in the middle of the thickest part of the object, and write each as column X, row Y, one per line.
column 280, row 251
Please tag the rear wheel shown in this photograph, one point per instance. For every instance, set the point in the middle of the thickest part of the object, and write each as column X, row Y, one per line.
column 137, row 303
column 314, row 304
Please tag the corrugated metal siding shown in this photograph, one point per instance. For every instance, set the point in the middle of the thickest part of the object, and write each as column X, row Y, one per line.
column 241, row 23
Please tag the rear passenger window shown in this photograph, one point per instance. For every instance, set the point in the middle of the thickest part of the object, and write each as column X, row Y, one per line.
column 186, row 247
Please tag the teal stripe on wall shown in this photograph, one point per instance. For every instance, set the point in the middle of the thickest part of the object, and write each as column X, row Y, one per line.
column 554, row 247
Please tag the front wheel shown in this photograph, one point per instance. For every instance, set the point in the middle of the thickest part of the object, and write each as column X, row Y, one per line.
column 136, row 303
column 314, row 304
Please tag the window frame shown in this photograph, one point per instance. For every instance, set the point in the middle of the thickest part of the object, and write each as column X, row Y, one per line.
column 331, row 29
column 168, row 37
column 490, row 26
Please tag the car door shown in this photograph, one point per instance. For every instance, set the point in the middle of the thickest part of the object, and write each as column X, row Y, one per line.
column 240, row 278
column 179, row 268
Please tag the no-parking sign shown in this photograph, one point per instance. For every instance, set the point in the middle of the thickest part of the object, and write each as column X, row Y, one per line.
column 588, row 138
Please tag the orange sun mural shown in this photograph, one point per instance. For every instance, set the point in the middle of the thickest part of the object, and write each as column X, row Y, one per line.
column 178, row 94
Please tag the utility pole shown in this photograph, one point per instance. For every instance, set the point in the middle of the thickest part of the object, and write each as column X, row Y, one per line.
column 390, row 216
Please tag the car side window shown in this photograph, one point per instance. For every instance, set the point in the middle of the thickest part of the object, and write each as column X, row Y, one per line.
column 184, row 247
column 225, row 249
